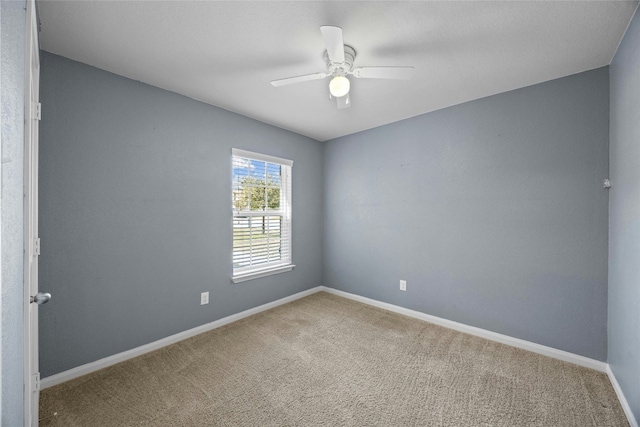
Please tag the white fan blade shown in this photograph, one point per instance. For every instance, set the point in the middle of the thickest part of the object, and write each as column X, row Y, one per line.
column 396, row 73
column 298, row 79
column 344, row 102
column 333, row 41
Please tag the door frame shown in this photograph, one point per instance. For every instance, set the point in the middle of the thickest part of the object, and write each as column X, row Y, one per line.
column 31, row 241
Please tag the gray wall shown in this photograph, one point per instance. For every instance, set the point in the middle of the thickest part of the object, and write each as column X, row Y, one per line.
column 12, row 36
column 135, row 213
column 492, row 210
column 624, row 217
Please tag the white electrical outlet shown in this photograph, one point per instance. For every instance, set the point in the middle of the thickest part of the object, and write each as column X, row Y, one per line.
column 204, row 298
column 403, row 285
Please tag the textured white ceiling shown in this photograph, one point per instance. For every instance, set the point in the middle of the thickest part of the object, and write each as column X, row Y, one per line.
column 226, row 53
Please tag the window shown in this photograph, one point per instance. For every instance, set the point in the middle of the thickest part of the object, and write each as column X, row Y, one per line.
column 261, row 215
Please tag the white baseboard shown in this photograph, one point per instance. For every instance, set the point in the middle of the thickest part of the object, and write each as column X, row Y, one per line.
column 623, row 400
column 483, row 333
column 138, row 351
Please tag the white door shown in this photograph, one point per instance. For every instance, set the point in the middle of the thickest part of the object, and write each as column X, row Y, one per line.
column 31, row 242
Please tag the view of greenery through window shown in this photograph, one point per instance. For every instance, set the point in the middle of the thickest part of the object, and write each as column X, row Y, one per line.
column 257, row 220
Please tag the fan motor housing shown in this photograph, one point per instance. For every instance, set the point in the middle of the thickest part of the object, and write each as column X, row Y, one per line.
column 341, row 68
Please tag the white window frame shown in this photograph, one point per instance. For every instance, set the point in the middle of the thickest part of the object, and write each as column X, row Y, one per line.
column 250, row 272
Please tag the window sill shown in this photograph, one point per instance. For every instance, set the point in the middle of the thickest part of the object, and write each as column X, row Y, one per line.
column 261, row 273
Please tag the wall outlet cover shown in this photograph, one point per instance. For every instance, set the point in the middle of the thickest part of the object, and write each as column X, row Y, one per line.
column 204, row 298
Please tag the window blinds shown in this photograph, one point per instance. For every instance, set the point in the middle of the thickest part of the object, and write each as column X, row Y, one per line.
column 261, row 193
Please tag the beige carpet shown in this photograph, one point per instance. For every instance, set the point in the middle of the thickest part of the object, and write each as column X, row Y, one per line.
column 329, row 361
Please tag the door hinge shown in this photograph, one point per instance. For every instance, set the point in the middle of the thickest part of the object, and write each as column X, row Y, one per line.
column 35, row 381
column 36, row 246
column 37, row 113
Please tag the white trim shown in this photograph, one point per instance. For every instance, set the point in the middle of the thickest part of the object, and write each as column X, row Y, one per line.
column 31, row 391
column 262, row 157
column 243, row 277
column 623, row 400
column 483, row 333
column 138, row 351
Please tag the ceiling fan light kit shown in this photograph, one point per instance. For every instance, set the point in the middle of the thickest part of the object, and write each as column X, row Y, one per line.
column 339, row 59
column 339, row 86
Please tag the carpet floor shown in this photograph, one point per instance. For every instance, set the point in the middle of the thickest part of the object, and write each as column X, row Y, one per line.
column 329, row 361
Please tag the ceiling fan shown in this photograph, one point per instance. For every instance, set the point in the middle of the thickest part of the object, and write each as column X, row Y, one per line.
column 339, row 58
